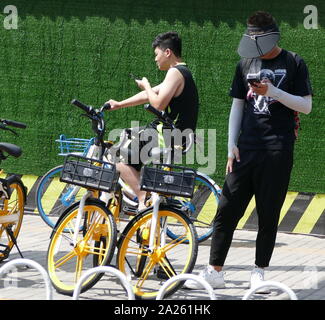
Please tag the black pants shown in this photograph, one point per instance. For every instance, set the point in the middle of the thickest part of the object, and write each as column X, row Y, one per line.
column 265, row 174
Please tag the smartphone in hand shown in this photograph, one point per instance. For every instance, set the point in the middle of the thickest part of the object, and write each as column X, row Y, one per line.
column 253, row 77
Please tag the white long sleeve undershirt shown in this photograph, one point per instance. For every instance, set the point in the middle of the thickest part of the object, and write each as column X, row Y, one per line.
column 235, row 118
column 296, row 103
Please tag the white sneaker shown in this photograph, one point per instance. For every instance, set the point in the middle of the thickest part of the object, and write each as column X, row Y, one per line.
column 213, row 277
column 257, row 277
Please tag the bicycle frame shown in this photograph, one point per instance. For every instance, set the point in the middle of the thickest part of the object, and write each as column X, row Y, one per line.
column 75, row 189
column 156, row 202
column 96, row 152
column 156, row 198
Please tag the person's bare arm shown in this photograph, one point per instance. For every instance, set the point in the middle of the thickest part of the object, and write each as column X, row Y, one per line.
column 167, row 89
column 137, row 99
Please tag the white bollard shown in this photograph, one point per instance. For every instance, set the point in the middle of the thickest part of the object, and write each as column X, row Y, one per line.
column 33, row 264
column 186, row 276
column 104, row 269
column 274, row 284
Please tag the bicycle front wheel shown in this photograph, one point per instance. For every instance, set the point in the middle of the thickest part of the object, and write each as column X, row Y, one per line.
column 68, row 258
column 201, row 209
column 53, row 196
column 146, row 267
column 11, row 215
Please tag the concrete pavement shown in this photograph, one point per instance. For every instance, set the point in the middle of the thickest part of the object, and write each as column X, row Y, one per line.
column 298, row 262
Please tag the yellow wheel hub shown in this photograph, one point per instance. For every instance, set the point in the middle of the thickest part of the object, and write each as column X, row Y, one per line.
column 157, row 255
column 80, row 248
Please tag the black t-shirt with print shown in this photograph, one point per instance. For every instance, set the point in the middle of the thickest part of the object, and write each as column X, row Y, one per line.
column 267, row 123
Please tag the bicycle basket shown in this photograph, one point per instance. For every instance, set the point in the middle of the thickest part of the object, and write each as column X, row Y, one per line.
column 73, row 145
column 168, row 179
column 90, row 173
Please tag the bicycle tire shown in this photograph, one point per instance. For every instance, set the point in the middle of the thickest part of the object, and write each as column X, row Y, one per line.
column 95, row 246
column 12, row 206
column 201, row 209
column 51, row 196
column 146, row 274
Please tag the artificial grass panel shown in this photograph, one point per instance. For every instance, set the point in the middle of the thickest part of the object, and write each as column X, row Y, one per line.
column 86, row 49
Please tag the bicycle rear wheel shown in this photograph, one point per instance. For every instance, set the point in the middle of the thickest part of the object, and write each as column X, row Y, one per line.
column 201, row 209
column 11, row 216
column 96, row 240
column 53, row 196
column 147, row 267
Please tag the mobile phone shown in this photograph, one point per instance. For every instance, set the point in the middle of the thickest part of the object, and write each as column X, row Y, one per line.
column 253, row 77
column 132, row 76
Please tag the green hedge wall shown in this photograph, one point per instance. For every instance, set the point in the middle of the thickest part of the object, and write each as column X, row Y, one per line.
column 86, row 49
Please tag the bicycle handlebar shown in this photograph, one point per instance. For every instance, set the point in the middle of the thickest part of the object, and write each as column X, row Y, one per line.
column 97, row 118
column 10, row 148
column 88, row 109
column 81, row 105
column 106, row 106
column 160, row 114
column 12, row 123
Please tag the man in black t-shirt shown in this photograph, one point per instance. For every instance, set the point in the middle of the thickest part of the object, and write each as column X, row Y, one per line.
column 270, row 85
column 177, row 95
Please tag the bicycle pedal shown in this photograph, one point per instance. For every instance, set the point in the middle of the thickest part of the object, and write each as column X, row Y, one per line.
column 130, row 211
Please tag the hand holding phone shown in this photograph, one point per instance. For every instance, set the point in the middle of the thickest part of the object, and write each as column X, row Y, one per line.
column 253, row 77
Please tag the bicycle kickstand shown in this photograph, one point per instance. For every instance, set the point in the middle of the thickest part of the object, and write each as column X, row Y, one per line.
column 13, row 239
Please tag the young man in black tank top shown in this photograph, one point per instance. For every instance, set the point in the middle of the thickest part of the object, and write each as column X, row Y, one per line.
column 177, row 95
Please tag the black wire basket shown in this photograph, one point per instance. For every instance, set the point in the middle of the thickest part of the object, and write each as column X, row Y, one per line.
column 90, row 173
column 168, row 179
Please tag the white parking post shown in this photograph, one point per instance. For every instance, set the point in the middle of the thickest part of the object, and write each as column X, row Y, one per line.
column 104, row 269
column 33, row 264
column 186, row 276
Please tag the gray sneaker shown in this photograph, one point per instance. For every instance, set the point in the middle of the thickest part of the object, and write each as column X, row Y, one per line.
column 257, row 278
column 213, row 277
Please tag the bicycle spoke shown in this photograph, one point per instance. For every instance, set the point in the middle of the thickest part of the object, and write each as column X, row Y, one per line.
column 95, row 250
column 174, row 243
column 10, row 209
column 90, row 231
column 200, row 223
column 64, row 259
column 167, row 267
column 79, row 265
column 145, row 274
column 137, row 253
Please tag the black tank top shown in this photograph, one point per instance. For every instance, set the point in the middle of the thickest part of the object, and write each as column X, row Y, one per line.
column 184, row 108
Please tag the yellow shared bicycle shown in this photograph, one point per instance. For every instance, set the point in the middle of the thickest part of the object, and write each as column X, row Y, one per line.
column 85, row 235
column 12, row 196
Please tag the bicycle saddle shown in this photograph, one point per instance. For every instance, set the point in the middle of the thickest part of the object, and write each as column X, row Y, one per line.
column 11, row 149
